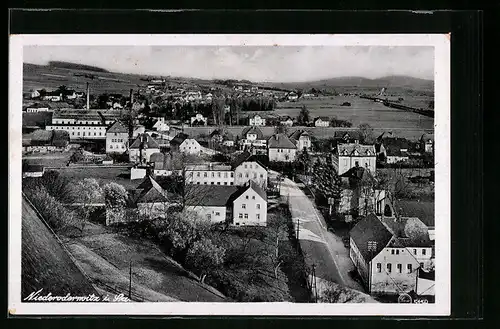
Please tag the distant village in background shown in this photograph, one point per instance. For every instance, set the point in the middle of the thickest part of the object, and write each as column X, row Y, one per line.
column 226, row 190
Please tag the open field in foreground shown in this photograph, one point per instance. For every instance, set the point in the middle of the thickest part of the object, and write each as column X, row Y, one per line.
column 103, row 175
column 107, row 256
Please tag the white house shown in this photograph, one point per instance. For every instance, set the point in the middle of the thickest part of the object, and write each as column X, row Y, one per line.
column 257, row 120
column 209, row 174
column 182, row 143
column 33, row 171
column 247, row 167
column 281, row 148
column 142, row 148
column 38, row 109
column 292, row 96
column 250, row 205
column 351, row 155
column 252, row 136
column 427, row 143
column 286, row 121
column 386, row 253
column 301, row 139
column 35, row 94
column 117, row 138
column 198, row 120
column 322, row 122
column 211, row 202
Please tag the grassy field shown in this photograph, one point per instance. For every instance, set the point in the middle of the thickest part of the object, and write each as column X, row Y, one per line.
column 53, row 159
column 108, row 255
column 45, row 263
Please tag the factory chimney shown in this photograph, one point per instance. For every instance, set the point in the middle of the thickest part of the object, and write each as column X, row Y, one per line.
column 131, row 97
column 88, row 97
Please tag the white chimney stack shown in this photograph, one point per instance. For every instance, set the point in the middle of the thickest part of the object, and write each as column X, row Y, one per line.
column 88, row 97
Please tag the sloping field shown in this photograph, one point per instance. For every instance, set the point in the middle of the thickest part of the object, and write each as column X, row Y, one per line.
column 109, row 255
column 45, row 264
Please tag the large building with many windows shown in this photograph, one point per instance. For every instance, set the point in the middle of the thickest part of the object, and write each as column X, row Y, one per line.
column 83, row 124
column 209, row 174
column 389, row 251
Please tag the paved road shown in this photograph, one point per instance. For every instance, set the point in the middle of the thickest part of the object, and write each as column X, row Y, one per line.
column 321, row 248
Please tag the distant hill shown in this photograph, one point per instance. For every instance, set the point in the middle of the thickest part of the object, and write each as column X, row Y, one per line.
column 74, row 66
column 395, row 81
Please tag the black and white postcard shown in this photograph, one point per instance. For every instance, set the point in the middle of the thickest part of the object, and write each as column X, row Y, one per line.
column 229, row 174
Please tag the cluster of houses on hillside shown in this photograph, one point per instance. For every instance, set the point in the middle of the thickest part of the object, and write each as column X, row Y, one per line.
column 271, row 120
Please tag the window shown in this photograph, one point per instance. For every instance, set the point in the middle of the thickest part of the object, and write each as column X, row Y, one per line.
column 225, row 183
column 245, row 166
column 409, row 268
column 243, row 206
column 205, row 183
column 414, row 251
column 258, row 205
column 253, row 197
column 217, row 213
column 231, row 183
column 255, row 175
column 232, row 174
column 246, row 175
column 392, row 251
column 240, row 216
column 116, row 134
column 246, row 197
column 422, row 264
column 198, row 183
column 197, row 174
column 209, row 216
column 111, row 146
column 211, row 183
column 400, row 268
column 258, row 216
column 218, row 183
column 213, row 174
column 423, row 251
column 205, row 174
column 246, row 216
column 397, row 252
column 389, row 267
column 225, row 175
column 240, row 175
column 261, row 175
column 379, row 267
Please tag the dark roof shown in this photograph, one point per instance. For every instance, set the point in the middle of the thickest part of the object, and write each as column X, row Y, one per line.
column 393, row 146
column 209, row 195
column 150, row 191
column 322, row 118
column 431, row 275
column 246, row 156
column 298, row 133
column 34, row 168
column 285, row 118
column 353, row 147
column 357, row 175
column 367, row 230
column 253, row 130
column 145, row 141
column 422, row 210
column 347, row 135
column 178, row 139
column 117, row 127
column 280, row 141
column 426, row 137
column 216, row 132
column 409, row 232
column 156, row 157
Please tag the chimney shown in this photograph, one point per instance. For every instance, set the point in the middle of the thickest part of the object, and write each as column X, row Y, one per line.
column 131, row 97
column 88, row 97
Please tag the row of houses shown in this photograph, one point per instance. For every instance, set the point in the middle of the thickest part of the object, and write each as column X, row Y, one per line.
column 288, row 121
column 45, row 141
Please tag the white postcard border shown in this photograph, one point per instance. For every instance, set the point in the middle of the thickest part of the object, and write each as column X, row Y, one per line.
column 442, row 305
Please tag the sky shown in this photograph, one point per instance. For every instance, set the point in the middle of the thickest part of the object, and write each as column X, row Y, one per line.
column 258, row 64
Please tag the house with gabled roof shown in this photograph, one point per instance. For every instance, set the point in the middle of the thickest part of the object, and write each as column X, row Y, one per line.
column 347, row 136
column 281, row 148
column 286, row 121
column 142, row 148
column 211, row 202
column 182, row 143
column 321, row 122
column 301, row 139
column 249, row 205
column 117, row 138
column 151, row 200
column 423, row 210
column 354, row 154
column 256, row 120
column 252, row 137
column 248, row 167
column 386, row 253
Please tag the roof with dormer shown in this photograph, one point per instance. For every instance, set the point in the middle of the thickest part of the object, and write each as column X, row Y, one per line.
column 355, row 149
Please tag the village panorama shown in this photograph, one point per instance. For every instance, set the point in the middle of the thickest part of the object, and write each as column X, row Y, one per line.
column 182, row 187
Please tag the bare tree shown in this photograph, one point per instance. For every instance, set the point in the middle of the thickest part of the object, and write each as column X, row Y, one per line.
column 87, row 192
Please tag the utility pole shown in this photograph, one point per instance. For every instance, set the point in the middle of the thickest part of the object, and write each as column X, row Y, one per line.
column 298, row 230
column 130, row 282
column 314, row 283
